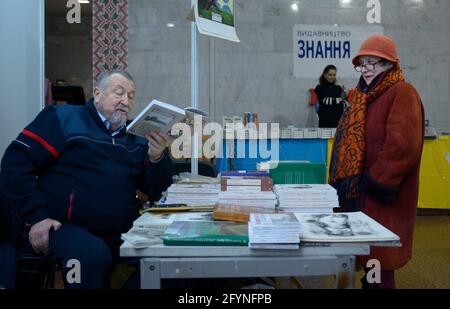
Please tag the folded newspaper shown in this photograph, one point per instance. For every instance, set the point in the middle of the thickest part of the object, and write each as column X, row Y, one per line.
column 143, row 237
column 160, row 117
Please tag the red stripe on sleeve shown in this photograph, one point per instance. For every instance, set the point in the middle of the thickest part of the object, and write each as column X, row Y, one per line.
column 41, row 141
column 69, row 212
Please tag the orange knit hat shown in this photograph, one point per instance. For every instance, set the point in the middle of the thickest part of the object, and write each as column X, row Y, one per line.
column 380, row 46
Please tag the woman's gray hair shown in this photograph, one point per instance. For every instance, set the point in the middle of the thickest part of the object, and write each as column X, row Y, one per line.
column 103, row 79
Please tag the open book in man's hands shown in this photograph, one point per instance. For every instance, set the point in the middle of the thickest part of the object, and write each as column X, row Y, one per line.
column 160, row 117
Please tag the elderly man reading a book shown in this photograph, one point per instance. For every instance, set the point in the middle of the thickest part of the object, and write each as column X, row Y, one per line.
column 73, row 173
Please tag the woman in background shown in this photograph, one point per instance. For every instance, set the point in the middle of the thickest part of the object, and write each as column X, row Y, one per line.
column 331, row 98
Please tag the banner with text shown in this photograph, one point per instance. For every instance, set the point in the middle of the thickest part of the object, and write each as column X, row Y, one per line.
column 316, row 46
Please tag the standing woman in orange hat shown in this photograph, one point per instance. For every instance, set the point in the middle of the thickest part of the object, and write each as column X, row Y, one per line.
column 377, row 150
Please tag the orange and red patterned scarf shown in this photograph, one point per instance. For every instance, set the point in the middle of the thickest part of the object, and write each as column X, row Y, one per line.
column 349, row 148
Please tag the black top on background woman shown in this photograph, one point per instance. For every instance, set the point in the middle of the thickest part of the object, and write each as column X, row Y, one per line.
column 330, row 98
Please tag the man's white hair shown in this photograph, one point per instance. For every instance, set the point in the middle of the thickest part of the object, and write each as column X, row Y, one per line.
column 102, row 81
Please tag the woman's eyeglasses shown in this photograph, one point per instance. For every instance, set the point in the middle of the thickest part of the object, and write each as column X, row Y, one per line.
column 368, row 66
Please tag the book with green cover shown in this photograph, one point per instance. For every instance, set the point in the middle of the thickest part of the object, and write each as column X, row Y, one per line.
column 206, row 233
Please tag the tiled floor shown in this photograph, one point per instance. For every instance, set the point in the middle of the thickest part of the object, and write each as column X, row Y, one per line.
column 430, row 265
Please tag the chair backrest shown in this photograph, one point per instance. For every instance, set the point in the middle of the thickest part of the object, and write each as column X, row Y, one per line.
column 4, row 228
column 11, row 225
column 34, row 271
column 69, row 94
column 7, row 266
column 204, row 168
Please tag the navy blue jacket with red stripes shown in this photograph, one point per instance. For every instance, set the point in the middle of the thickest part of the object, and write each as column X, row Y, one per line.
column 65, row 165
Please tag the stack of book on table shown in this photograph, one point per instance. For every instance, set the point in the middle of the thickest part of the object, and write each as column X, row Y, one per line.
column 314, row 198
column 326, row 133
column 193, row 194
column 247, row 188
column 311, row 133
column 274, row 231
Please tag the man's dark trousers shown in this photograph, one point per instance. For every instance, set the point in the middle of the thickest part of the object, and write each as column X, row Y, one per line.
column 77, row 249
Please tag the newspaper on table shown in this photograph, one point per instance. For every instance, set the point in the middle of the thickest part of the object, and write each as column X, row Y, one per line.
column 148, row 229
column 343, row 227
column 140, row 237
column 160, row 221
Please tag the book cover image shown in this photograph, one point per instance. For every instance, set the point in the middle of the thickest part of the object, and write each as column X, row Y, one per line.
column 216, row 18
column 159, row 116
column 281, row 219
column 163, row 220
column 217, row 10
column 213, row 233
column 344, row 227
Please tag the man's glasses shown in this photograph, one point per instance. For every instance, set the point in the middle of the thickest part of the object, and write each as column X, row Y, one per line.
column 368, row 66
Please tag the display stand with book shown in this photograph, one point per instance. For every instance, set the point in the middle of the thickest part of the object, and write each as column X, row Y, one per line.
column 201, row 248
column 174, row 262
column 316, row 255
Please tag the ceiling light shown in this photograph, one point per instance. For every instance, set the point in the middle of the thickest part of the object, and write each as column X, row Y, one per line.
column 170, row 25
column 83, row 1
column 294, row 7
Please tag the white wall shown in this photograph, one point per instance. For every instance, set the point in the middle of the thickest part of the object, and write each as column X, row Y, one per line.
column 68, row 51
column 21, row 63
column 257, row 74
